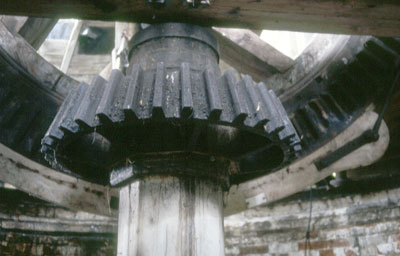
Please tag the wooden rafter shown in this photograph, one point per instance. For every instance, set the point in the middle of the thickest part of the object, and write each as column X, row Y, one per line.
column 35, row 30
column 330, row 16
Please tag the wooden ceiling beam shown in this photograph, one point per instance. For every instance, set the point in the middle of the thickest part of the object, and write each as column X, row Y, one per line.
column 366, row 17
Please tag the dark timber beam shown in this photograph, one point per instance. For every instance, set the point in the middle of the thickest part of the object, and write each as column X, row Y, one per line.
column 369, row 17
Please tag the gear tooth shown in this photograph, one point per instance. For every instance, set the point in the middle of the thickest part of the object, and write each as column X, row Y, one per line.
column 321, row 111
column 186, row 91
column 308, row 126
column 228, row 112
column 47, row 142
column 85, row 115
column 300, row 130
column 288, row 132
column 48, row 151
column 335, row 110
column 295, row 141
column 158, row 98
column 143, row 104
column 275, row 124
column 132, row 93
column 201, row 109
column 238, row 103
column 172, row 95
column 213, row 98
column 244, row 102
column 297, row 147
column 106, row 105
column 67, row 121
column 117, row 113
column 54, row 129
column 313, row 121
column 257, row 106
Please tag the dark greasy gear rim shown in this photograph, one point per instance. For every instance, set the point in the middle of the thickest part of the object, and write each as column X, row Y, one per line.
column 196, row 103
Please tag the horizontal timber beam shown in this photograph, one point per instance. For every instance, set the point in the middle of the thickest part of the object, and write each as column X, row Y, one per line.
column 367, row 17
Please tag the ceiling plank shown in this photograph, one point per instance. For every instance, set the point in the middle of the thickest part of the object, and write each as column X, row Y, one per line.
column 330, row 16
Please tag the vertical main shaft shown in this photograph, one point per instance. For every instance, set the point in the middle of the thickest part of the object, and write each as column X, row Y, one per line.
column 165, row 215
column 174, row 44
column 172, row 217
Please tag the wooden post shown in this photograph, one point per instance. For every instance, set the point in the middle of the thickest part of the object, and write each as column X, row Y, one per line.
column 170, row 216
column 73, row 40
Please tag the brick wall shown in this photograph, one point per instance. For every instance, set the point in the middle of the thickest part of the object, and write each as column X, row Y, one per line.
column 349, row 225
column 366, row 225
column 32, row 227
